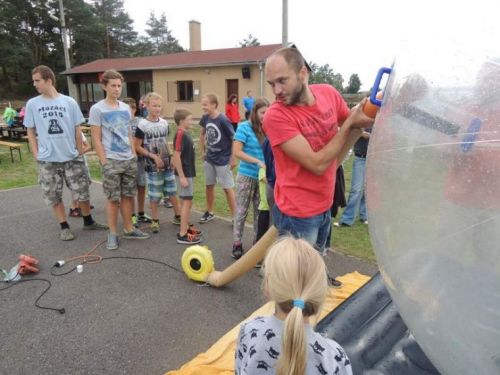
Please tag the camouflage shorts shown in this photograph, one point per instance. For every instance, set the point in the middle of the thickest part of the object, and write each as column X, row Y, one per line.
column 119, row 178
column 74, row 173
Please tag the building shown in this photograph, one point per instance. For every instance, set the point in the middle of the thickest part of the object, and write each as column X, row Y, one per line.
column 181, row 78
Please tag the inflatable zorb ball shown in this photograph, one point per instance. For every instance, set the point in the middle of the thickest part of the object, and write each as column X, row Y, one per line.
column 433, row 194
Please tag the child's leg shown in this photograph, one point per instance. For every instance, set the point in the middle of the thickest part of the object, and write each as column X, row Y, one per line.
column 210, row 192
column 185, row 212
column 176, row 206
column 154, row 210
column 210, row 181
column 262, row 224
column 112, row 208
column 170, row 190
column 244, row 196
column 141, row 198
column 231, row 200
column 225, row 176
column 127, row 208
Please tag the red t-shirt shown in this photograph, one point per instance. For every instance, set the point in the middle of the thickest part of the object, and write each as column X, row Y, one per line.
column 297, row 191
column 232, row 112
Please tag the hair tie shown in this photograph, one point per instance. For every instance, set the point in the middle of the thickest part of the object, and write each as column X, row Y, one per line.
column 299, row 303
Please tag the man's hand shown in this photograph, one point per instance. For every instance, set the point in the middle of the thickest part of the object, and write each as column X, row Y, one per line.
column 184, row 182
column 159, row 163
column 358, row 119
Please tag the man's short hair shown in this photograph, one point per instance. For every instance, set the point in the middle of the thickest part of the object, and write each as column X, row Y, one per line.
column 45, row 72
column 151, row 96
column 180, row 114
column 292, row 57
column 111, row 74
column 212, row 98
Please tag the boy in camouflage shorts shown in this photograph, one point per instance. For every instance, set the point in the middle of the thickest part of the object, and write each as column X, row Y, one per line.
column 112, row 139
column 56, row 119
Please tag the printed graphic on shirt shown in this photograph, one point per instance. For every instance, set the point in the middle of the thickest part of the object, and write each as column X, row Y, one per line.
column 213, row 136
column 117, row 123
column 52, row 113
column 54, row 127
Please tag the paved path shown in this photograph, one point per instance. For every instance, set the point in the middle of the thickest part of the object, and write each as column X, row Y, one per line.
column 122, row 316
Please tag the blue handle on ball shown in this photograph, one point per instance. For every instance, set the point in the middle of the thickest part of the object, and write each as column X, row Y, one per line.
column 376, row 85
column 471, row 135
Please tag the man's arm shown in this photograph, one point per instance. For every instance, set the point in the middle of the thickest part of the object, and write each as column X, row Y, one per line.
column 33, row 142
column 202, row 143
column 318, row 162
column 96, row 133
column 78, row 139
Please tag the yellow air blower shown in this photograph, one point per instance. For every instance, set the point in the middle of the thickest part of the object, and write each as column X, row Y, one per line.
column 197, row 262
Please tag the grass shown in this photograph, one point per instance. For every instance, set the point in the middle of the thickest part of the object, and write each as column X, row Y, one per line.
column 353, row 240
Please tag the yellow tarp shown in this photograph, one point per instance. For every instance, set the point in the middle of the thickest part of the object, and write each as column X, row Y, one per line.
column 219, row 359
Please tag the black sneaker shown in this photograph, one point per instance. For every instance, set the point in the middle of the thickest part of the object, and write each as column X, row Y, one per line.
column 237, row 251
column 188, row 239
column 334, row 282
column 207, row 216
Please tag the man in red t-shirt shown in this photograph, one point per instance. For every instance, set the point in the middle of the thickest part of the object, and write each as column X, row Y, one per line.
column 310, row 128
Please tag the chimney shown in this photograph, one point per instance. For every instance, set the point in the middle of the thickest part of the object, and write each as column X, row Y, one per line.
column 194, row 35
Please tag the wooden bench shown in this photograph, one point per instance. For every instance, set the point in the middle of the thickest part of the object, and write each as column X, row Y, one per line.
column 12, row 146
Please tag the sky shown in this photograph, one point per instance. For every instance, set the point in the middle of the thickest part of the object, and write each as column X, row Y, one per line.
column 351, row 36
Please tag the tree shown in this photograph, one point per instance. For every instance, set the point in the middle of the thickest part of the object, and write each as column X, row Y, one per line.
column 118, row 35
column 86, row 32
column 160, row 36
column 250, row 41
column 354, row 84
column 324, row 74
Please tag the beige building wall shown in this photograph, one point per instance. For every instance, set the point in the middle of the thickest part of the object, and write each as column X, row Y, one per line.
column 210, row 79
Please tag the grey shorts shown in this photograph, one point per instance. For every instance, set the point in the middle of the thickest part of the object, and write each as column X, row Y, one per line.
column 185, row 193
column 141, row 172
column 119, row 178
column 218, row 173
column 74, row 173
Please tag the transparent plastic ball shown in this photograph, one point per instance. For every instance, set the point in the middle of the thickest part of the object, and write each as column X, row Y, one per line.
column 433, row 195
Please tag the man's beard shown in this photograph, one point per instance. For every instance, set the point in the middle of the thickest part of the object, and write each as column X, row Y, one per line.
column 297, row 95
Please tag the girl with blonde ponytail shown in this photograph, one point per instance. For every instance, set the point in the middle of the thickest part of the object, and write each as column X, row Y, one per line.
column 295, row 279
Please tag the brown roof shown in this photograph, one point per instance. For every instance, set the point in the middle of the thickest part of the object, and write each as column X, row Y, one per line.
column 227, row 56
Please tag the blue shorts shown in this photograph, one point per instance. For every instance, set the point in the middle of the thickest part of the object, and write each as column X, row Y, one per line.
column 313, row 229
column 161, row 184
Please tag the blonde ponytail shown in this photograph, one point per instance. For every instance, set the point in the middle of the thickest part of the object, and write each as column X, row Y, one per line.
column 293, row 357
column 293, row 271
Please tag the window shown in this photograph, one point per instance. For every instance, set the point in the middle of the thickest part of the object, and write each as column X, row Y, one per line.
column 98, row 92
column 185, row 91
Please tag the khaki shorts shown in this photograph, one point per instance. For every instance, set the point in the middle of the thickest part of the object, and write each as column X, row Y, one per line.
column 74, row 173
column 119, row 178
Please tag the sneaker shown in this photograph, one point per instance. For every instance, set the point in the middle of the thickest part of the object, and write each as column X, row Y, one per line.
column 188, row 239
column 66, row 235
column 75, row 212
column 136, row 234
column 176, row 220
column 207, row 216
column 155, row 226
column 237, row 252
column 135, row 222
column 334, row 282
column 112, row 243
column 167, row 203
column 365, row 222
column 340, row 225
column 194, row 231
column 95, row 226
column 144, row 219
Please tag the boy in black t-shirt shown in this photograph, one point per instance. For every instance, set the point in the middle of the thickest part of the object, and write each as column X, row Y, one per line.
column 184, row 163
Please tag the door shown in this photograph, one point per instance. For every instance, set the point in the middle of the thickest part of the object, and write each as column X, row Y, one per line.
column 231, row 88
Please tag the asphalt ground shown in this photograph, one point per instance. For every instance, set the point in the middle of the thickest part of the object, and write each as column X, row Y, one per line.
column 122, row 316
